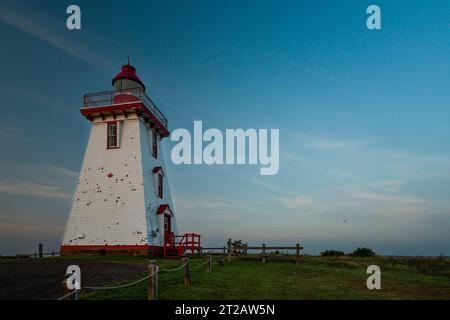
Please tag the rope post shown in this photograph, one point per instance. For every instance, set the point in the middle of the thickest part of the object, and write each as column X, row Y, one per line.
column 40, row 250
column 229, row 249
column 76, row 295
column 297, row 254
column 220, row 261
column 153, row 280
column 186, row 273
column 208, row 259
column 65, row 289
column 264, row 253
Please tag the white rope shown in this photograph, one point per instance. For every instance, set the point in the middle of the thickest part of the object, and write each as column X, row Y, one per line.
column 66, row 295
column 176, row 269
column 123, row 285
column 203, row 263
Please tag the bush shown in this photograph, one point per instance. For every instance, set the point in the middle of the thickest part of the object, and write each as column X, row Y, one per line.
column 332, row 253
column 363, row 253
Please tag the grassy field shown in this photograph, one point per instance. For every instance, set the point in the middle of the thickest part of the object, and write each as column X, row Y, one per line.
column 314, row 278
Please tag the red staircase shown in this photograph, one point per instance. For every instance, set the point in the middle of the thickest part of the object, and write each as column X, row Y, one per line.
column 177, row 246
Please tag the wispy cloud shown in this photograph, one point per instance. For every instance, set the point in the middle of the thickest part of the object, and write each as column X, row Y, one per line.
column 64, row 172
column 192, row 204
column 296, row 202
column 391, row 186
column 33, row 189
column 37, row 25
column 317, row 142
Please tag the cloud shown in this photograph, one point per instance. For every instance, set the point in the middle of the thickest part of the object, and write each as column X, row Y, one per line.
column 316, row 142
column 64, row 172
column 296, row 202
column 384, row 199
column 35, row 26
column 190, row 204
column 33, row 189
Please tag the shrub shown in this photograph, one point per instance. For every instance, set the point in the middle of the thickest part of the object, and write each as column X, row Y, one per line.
column 332, row 253
column 363, row 253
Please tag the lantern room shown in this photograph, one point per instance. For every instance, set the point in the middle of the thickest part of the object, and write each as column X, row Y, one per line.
column 127, row 85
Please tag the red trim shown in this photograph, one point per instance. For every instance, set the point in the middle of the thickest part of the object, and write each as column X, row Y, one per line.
column 156, row 169
column 112, row 247
column 138, row 107
column 162, row 208
column 124, row 106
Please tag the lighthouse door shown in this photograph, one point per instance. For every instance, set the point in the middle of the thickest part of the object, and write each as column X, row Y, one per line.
column 169, row 238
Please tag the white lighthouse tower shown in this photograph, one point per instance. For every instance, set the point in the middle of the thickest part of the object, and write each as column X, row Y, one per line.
column 122, row 203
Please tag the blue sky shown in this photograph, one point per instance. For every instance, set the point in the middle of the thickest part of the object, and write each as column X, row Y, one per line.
column 363, row 116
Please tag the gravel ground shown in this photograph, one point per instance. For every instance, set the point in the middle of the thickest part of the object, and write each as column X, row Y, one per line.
column 40, row 279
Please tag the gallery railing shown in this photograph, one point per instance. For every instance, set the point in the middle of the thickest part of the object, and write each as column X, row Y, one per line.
column 107, row 98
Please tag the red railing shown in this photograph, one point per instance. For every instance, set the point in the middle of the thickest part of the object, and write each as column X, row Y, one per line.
column 188, row 241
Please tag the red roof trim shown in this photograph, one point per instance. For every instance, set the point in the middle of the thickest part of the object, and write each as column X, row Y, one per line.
column 137, row 106
column 162, row 208
column 157, row 169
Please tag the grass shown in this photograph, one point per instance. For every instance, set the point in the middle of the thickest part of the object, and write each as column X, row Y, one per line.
column 314, row 278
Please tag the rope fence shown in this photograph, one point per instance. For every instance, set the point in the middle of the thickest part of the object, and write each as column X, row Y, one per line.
column 152, row 277
column 233, row 250
column 121, row 286
column 176, row 269
column 66, row 295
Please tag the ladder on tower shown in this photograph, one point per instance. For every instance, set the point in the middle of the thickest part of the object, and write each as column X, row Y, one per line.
column 177, row 246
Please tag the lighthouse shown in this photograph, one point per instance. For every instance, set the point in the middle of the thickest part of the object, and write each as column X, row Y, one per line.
column 122, row 203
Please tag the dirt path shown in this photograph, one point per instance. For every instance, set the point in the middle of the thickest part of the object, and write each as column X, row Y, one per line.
column 40, row 279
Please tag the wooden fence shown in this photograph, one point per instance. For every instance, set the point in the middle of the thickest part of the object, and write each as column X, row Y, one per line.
column 230, row 250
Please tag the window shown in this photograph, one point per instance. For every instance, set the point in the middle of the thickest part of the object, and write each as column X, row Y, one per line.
column 154, row 145
column 112, row 135
column 160, row 186
column 167, row 226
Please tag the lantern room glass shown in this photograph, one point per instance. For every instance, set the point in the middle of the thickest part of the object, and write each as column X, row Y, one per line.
column 126, row 86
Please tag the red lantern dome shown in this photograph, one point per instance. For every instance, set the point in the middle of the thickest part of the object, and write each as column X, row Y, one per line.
column 127, row 79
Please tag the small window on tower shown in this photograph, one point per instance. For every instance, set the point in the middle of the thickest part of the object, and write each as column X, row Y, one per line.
column 112, row 135
column 160, row 186
column 154, row 145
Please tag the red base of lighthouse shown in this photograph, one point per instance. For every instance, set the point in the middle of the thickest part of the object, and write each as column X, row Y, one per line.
column 136, row 250
column 189, row 242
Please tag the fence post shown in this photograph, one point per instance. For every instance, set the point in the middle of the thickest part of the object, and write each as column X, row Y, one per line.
column 264, row 253
column 65, row 290
column 208, row 259
column 76, row 295
column 220, row 261
column 186, row 273
column 297, row 254
column 224, row 249
column 153, row 280
column 229, row 249
column 40, row 250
